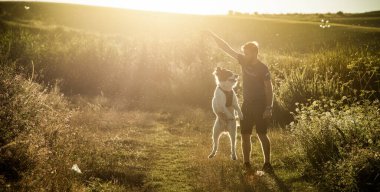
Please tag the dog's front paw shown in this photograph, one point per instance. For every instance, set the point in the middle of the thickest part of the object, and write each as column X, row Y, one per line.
column 211, row 155
column 233, row 157
column 241, row 117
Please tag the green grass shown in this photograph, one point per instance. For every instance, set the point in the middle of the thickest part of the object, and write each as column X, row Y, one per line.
column 339, row 142
column 157, row 150
column 173, row 150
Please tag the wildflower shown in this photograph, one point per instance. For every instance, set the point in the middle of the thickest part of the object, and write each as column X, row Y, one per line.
column 76, row 168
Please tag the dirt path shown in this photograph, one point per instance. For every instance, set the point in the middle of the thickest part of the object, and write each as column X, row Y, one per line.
column 179, row 163
column 171, row 155
column 179, row 160
column 170, row 163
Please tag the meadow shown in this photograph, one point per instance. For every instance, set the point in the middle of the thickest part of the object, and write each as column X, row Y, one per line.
column 126, row 96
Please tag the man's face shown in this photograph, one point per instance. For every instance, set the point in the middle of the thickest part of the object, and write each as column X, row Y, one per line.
column 250, row 54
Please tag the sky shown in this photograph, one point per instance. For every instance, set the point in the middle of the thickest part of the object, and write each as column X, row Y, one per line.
column 246, row 6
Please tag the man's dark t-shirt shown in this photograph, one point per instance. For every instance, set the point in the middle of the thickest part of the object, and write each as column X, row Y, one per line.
column 254, row 76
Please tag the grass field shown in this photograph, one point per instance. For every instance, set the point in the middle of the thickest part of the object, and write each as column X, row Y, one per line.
column 164, row 151
column 126, row 96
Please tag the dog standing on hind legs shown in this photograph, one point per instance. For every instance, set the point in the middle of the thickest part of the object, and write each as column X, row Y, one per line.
column 225, row 105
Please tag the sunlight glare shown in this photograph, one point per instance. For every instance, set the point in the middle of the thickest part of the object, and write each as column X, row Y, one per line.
column 221, row 7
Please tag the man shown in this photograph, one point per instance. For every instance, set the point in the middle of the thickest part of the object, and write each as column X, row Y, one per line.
column 257, row 96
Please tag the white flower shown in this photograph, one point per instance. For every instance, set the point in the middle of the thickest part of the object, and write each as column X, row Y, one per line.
column 26, row 7
column 76, row 168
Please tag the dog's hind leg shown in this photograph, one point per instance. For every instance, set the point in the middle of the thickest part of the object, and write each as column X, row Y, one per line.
column 217, row 131
column 232, row 134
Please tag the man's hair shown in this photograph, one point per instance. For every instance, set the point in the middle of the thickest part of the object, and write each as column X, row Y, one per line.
column 252, row 45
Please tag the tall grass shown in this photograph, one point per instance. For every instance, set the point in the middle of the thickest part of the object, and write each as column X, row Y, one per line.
column 342, row 71
column 115, row 66
column 340, row 142
column 33, row 121
column 43, row 136
column 151, row 70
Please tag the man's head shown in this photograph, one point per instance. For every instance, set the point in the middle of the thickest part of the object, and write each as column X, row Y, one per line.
column 250, row 49
column 225, row 78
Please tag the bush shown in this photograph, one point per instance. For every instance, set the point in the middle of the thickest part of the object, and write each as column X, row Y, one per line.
column 329, row 74
column 358, row 172
column 341, row 143
column 33, row 133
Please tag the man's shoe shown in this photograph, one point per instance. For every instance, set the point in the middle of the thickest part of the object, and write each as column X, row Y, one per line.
column 267, row 168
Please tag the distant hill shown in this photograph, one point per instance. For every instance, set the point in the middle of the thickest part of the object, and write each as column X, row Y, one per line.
column 299, row 31
column 371, row 13
column 101, row 19
column 83, row 15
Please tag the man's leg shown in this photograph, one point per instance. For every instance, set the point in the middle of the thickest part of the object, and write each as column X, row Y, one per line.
column 246, row 131
column 262, row 130
column 265, row 146
column 246, row 146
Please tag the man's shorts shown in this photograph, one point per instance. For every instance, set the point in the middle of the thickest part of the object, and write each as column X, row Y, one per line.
column 253, row 115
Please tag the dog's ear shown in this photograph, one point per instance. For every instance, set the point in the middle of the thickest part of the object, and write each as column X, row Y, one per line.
column 217, row 71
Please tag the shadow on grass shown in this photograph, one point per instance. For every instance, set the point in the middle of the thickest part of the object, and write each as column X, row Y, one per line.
column 279, row 182
column 131, row 178
column 258, row 181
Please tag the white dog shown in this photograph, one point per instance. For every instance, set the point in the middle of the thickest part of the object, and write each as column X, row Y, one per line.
column 224, row 105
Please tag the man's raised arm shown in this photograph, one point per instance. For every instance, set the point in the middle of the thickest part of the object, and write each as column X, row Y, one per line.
column 223, row 45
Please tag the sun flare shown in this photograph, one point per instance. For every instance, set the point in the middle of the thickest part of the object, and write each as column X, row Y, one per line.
column 211, row 7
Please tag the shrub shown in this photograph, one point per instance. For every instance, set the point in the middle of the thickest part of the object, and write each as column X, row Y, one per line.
column 359, row 171
column 33, row 133
column 329, row 74
column 340, row 142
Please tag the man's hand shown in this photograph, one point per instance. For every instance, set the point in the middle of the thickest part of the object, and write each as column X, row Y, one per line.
column 268, row 88
column 267, row 113
column 221, row 43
